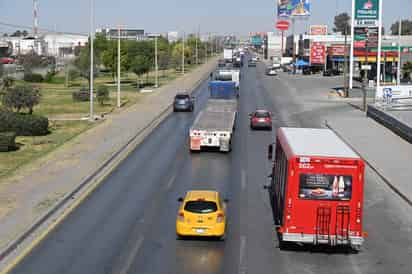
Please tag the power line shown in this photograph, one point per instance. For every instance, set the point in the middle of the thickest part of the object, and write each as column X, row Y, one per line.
column 15, row 26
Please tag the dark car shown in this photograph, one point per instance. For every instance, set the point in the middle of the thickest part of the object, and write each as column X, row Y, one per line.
column 261, row 119
column 327, row 72
column 183, row 102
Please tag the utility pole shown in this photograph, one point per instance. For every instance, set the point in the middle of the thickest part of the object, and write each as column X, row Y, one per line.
column 197, row 50
column 183, row 54
column 398, row 71
column 91, row 118
column 206, row 52
column 352, row 46
column 294, row 46
column 156, row 65
column 378, row 78
column 345, row 64
column 118, row 68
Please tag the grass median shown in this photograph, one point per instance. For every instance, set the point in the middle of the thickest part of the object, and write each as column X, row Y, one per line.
column 65, row 114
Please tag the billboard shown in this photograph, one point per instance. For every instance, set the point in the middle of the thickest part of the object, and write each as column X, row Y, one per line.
column 318, row 30
column 293, row 8
column 317, row 53
column 256, row 40
column 336, row 50
column 366, row 13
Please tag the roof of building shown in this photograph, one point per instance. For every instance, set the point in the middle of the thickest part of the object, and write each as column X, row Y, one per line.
column 316, row 142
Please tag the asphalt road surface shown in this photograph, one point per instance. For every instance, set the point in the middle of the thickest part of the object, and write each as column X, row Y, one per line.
column 128, row 224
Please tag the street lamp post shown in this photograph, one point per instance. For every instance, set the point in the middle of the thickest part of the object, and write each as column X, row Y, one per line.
column 118, row 68
column 91, row 57
column 398, row 72
column 183, row 54
column 156, row 65
column 345, row 63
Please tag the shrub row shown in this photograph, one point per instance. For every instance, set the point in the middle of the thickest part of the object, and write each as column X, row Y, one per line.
column 81, row 95
column 33, row 77
column 7, row 141
column 23, row 124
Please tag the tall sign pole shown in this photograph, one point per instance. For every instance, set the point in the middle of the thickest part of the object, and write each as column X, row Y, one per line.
column 398, row 71
column 378, row 78
column 351, row 46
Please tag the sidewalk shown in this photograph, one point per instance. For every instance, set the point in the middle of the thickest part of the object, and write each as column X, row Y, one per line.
column 388, row 154
column 33, row 191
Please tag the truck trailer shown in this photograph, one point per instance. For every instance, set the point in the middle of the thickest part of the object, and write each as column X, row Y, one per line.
column 214, row 126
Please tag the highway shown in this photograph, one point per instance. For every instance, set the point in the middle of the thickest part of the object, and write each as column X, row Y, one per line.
column 128, row 224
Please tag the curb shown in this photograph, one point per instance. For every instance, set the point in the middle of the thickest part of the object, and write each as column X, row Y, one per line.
column 73, row 199
column 386, row 180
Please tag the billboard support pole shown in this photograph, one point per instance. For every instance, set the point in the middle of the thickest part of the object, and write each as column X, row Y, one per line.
column 351, row 46
column 294, row 45
column 378, row 78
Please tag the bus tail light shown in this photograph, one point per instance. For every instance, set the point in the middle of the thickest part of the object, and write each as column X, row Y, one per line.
column 358, row 213
column 181, row 217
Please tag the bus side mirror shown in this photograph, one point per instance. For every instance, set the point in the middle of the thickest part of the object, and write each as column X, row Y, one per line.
column 270, row 152
column 180, row 200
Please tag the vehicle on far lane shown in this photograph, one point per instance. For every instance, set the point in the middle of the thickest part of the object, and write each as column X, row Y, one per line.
column 183, row 102
column 261, row 119
column 202, row 213
column 271, row 71
column 251, row 63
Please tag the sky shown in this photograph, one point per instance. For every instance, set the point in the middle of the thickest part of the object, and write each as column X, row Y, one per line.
column 216, row 16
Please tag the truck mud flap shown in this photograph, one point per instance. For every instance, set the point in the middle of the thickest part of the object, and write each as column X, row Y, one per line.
column 195, row 143
column 225, row 145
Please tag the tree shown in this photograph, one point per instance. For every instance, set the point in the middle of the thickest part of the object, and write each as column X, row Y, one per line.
column 109, row 57
column 17, row 33
column 21, row 97
column 82, row 63
column 102, row 94
column 342, row 22
column 30, row 61
column 407, row 70
column 140, row 65
column 406, row 27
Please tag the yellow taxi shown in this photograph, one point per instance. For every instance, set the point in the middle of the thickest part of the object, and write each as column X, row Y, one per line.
column 201, row 213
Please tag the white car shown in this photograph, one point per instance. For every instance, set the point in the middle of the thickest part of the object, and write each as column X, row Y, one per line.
column 271, row 72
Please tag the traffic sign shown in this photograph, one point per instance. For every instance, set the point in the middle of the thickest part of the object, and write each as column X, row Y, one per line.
column 282, row 25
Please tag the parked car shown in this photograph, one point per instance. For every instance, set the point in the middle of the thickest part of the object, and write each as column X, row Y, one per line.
column 201, row 213
column 261, row 119
column 183, row 102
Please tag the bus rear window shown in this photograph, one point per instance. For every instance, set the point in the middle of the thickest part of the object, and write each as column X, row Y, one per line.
column 325, row 187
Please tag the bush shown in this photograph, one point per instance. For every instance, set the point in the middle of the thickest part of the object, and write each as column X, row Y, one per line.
column 23, row 124
column 21, row 97
column 33, row 77
column 102, row 94
column 82, row 95
column 7, row 141
column 49, row 77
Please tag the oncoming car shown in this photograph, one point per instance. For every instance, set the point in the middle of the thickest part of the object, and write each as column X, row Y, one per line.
column 201, row 213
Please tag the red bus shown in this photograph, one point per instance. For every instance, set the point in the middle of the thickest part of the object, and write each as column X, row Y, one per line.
column 316, row 188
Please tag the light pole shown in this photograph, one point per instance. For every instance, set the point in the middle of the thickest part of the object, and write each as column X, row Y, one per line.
column 197, row 50
column 91, row 57
column 345, row 63
column 156, row 66
column 118, row 68
column 183, row 54
column 398, row 71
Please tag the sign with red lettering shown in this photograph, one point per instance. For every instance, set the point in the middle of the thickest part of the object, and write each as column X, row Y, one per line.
column 282, row 25
column 317, row 53
column 318, row 30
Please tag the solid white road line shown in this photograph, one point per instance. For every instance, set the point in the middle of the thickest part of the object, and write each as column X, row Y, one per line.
column 243, row 179
column 242, row 254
